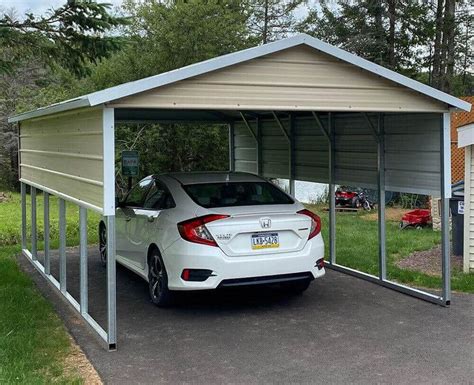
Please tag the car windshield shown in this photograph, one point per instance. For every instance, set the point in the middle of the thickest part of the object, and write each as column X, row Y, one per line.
column 210, row 195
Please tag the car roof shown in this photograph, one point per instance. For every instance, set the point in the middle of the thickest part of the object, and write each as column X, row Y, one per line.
column 213, row 177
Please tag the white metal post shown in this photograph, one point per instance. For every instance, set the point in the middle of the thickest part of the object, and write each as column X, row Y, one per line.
column 291, row 156
column 23, row 216
column 259, row 147
column 231, row 147
column 84, row 303
column 445, row 196
column 62, row 246
column 332, row 188
column 381, row 197
column 109, row 214
column 34, row 230
column 47, row 263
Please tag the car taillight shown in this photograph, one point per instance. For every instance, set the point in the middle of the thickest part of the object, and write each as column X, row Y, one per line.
column 195, row 230
column 315, row 222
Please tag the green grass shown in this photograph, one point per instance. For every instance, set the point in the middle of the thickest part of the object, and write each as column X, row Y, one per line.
column 33, row 340
column 357, row 247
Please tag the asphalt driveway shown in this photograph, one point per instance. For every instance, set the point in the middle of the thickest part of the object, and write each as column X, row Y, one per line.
column 342, row 330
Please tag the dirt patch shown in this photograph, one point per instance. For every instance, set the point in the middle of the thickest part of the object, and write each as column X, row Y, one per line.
column 428, row 262
column 393, row 214
column 77, row 364
column 5, row 197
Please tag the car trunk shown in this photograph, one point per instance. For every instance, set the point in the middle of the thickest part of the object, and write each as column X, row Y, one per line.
column 267, row 230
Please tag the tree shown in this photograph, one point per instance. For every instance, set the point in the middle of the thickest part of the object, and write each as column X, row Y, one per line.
column 70, row 36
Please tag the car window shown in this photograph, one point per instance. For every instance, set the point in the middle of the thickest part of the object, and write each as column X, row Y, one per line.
column 158, row 197
column 211, row 195
column 136, row 196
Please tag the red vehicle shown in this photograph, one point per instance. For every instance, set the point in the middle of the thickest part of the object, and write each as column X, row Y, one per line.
column 355, row 199
column 417, row 218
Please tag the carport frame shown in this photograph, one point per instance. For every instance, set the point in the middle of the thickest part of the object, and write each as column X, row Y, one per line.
column 105, row 99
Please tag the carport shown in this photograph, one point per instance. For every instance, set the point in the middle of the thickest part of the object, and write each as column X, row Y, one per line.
column 297, row 109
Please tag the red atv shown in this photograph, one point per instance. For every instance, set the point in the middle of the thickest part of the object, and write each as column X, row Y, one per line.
column 355, row 199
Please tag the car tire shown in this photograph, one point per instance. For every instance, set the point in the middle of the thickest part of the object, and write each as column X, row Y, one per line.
column 296, row 287
column 103, row 243
column 160, row 295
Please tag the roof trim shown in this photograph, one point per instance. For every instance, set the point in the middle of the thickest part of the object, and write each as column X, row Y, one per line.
column 142, row 85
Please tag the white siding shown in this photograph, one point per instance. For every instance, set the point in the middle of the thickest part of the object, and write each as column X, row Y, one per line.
column 468, row 265
column 64, row 154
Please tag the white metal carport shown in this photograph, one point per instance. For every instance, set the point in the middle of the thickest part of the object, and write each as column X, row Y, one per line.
column 297, row 108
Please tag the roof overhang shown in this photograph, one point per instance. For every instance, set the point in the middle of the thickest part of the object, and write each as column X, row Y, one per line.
column 156, row 81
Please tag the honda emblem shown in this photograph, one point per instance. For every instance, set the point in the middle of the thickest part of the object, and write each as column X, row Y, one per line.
column 266, row 223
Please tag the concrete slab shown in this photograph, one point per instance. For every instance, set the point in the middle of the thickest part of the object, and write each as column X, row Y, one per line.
column 342, row 330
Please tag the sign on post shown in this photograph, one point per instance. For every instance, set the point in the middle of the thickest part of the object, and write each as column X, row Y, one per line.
column 130, row 163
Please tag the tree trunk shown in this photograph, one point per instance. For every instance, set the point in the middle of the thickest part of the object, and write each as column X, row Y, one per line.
column 391, row 32
column 265, row 23
column 437, row 44
column 450, row 33
column 381, row 43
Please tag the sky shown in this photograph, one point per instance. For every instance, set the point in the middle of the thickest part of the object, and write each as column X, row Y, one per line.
column 39, row 6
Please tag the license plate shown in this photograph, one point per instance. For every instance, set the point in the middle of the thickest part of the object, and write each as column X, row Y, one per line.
column 265, row 241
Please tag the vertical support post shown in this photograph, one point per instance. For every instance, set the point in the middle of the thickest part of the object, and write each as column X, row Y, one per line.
column 445, row 161
column 111, row 283
column 62, row 246
column 23, row 215
column 332, row 189
column 291, row 156
column 34, row 230
column 231, row 148
column 259, row 147
column 381, row 197
column 84, row 300
column 47, row 262
column 108, row 128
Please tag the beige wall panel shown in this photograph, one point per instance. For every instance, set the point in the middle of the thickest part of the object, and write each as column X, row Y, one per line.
column 64, row 153
column 299, row 78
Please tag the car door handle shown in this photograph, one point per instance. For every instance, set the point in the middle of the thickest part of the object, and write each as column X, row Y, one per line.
column 128, row 219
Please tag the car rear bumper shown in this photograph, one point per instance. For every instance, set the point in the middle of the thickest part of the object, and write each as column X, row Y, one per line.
column 242, row 270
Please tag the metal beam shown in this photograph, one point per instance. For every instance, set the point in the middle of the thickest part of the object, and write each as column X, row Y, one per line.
column 248, row 126
column 62, row 246
column 372, row 127
column 259, row 147
column 445, row 151
column 111, row 284
column 23, row 215
column 282, row 128
column 332, row 189
column 34, row 230
column 292, row 156
column 321, row 126
column 47, row 263
column 231, row 147
column 84, row 292
column 381, row 198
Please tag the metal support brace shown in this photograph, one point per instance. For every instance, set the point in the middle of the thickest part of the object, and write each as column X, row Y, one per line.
column 259, row 147
column 111, row 284
column 231, row 147
column 292, row 155
column 282, row 127
column 84, row 300
column 321, row 126
column 445, row 161
column 34, row 230
column 23, row 216
column 381, row 198
column 62, row 246
column 47, row 262
column 372, row 127
column 246, row 122
column 332, row 188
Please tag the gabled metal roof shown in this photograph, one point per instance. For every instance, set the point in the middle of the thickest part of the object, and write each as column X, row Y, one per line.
column 142, row 85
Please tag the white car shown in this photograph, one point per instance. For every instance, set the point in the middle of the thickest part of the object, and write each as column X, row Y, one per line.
column 195, row 231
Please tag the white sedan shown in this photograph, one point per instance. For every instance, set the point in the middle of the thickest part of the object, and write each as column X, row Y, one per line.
column 195, row 231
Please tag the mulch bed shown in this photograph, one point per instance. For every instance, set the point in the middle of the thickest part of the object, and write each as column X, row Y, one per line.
column 428, row 262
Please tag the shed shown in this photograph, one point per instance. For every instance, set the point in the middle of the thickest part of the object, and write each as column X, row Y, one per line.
column 297, row 108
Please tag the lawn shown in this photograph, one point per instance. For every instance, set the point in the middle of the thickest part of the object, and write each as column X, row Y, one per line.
column 357, row 247
column 33, row 340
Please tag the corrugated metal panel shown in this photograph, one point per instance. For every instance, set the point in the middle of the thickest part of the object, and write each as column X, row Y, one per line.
column 64, row 153
column 412, row 145
column 298, row 78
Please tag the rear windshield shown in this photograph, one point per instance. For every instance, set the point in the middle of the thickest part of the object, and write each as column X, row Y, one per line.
column 211, row 195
